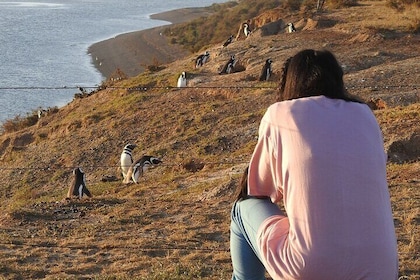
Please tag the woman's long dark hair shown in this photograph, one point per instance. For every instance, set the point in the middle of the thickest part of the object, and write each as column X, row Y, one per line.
column 242, row 188
column 313, row 73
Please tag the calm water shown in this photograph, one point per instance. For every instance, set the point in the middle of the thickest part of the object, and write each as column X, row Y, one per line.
column 44, row 44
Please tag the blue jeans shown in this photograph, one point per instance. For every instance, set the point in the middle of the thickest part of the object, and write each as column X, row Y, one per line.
column 246, row 217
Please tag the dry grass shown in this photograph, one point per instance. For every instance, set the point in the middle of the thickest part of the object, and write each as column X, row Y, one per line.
column 404, row 182
column 384, row 18
column 175, row 223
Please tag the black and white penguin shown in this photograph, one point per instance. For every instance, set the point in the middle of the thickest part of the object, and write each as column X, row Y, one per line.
column 247, row 29
column 206, row 57
column 202, row 59
column 229, row 66
column 228, row 41
column 138, row 168
column 78, row 186
column 291, row 27
column 182, row 80
column 127, row 159
column 266, row 70
column 41, row 113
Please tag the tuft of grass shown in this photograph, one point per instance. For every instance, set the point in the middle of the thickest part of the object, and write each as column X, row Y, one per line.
column 402, row 5
column 21, row 197
column 19, row 123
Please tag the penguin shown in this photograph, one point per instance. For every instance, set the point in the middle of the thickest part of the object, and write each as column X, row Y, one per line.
column 202, row 59
column 182, row 80
column 206, row 57
column 228, row 67
column 247, row 29
column 266, row 71
column 41, row 113
column 228, row 41
column 78, row 186
column 138, row 168
column 127, row 159
column 291, row 27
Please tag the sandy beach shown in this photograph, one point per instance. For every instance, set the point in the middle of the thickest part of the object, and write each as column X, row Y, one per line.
column 132, row 52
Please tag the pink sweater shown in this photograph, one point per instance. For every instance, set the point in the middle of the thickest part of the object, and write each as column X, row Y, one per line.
column 325, row 159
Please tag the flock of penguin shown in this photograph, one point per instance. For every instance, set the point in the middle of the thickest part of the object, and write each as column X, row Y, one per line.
column 131, row 171
column 229, row 66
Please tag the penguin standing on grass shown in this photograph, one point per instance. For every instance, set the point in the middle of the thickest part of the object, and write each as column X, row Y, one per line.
column 182, row 80
column 78, row 186
column 140, row 166
column 266, row 71
column 127, row 158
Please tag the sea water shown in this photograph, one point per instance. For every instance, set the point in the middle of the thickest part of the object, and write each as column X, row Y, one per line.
column 43, row 46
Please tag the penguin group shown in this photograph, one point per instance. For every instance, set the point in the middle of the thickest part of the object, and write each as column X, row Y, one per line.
column 134, row 170
column 230, row 65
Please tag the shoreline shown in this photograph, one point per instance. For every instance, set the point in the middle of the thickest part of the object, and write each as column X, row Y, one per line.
column 132, row 52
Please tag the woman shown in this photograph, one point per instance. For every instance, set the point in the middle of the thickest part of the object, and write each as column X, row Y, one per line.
column 320, row 152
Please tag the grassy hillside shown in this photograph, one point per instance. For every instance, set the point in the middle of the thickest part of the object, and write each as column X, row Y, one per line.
column 174, row 224
column 227, row 18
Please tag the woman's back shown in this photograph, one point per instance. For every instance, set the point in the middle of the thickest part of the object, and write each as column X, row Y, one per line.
column 320, row 151
column 332, row 178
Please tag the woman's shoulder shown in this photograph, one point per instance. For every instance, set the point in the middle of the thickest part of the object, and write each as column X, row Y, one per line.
column 319, row 107
column 314, row 101
column 298, row 103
